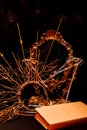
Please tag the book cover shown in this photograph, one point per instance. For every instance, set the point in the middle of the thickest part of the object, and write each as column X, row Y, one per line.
column 62, row 115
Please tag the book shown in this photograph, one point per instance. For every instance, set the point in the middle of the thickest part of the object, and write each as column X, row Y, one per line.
column 63, row 115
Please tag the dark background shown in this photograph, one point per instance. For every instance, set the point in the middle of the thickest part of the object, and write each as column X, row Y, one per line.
column 38, row 16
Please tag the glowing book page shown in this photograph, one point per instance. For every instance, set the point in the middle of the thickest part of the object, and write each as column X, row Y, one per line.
column 62, row 115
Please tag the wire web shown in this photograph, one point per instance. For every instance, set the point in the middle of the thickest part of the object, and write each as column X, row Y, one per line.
column 44, row 78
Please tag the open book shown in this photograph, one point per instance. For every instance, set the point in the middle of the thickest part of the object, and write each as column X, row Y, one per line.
column 62, row 115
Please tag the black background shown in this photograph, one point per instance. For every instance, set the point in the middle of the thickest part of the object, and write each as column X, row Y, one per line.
column 41, row 15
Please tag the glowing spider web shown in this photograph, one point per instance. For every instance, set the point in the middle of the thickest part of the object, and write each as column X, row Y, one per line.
column 44, row 78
